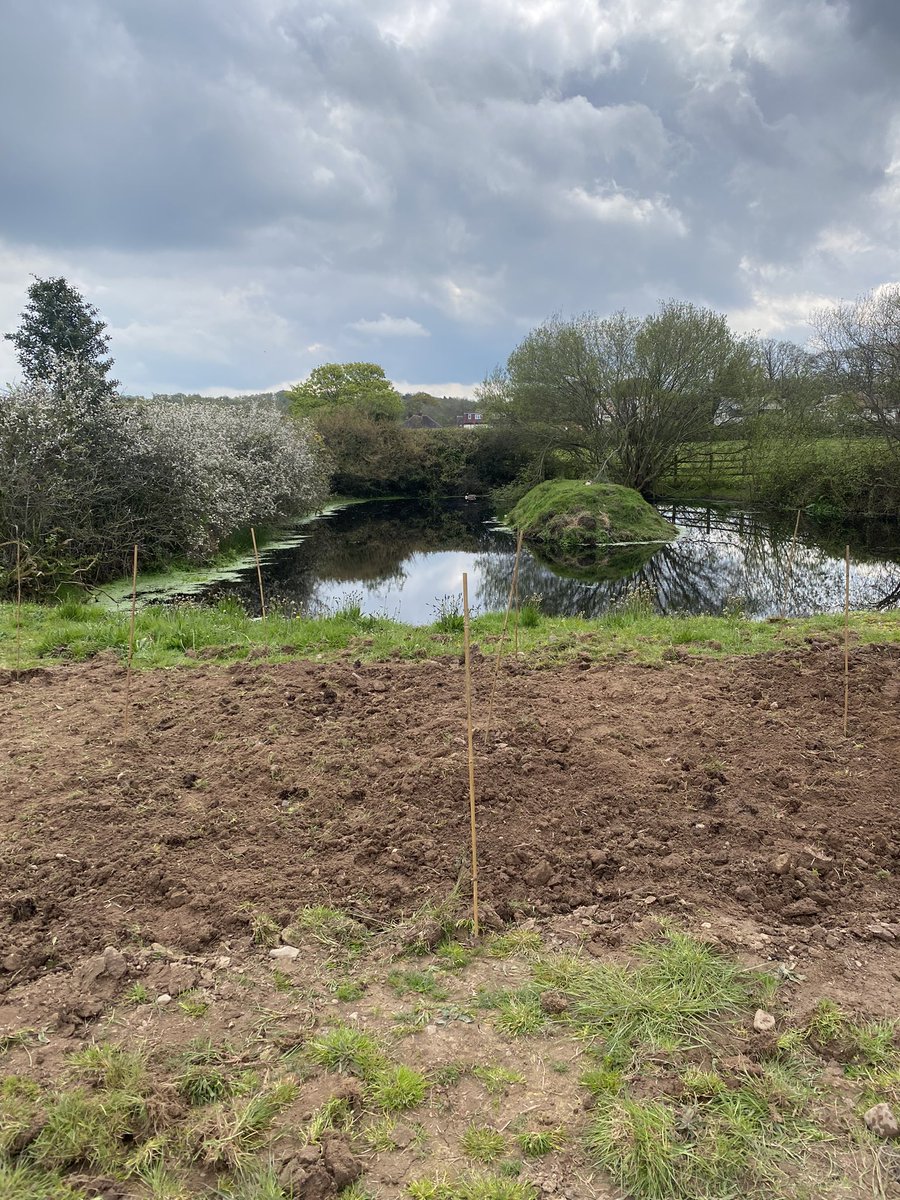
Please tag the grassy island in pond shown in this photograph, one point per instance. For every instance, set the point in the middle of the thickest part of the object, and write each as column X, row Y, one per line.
column 571, row 516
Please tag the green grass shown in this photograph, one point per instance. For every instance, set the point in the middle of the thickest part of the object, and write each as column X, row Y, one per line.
column 230, row 1133
column 541, row 1141
column 395, row 1089
column 169, row 636
column 349, row 990
column 482, row 1143
column 516, row 941
column 734, row 1141
column 88, row 1128
column 201, row 1084
column 345, row 1049
column 471, row 1187
column 390, row 1087
column 572, row 514
column 327, row 926
column 24, row 1181
column 335, row 1113
column 665, row 1002
column 497, row 1079
column 422, row 983
column 520, row 1015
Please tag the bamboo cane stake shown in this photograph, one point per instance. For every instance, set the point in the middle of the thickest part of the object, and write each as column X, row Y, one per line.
column 516, row 623
column 134, row 567
column 846, row 637
column 262, row 598
column 18, row 605
column 471, row 752
column 789, row 575
column 513, row 590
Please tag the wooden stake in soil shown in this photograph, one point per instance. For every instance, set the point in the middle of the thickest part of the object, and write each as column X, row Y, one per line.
column 18, row 605
column 513, row 591
column 262, row 599
column 846, row 637
column 471, row 746
column 131, row 638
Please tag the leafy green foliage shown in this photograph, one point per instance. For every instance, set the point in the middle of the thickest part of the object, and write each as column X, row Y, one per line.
column 61, row 341
column 621, row 393
column 360, row 386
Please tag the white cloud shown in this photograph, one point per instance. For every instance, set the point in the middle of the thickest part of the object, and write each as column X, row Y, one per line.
column 391, row 327
column 461, row 391
column 615, row 207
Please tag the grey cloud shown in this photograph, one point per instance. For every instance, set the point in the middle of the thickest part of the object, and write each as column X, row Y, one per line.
column 470, row 166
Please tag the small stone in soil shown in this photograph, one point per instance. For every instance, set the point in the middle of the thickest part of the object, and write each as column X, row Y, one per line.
column 882, row 1122
column 763, row 1022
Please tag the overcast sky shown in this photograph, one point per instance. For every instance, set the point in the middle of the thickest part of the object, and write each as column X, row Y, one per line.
column 249, row 189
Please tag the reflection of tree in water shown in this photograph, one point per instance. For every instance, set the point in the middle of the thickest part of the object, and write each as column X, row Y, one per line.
column 724, row 560
column 366, row 544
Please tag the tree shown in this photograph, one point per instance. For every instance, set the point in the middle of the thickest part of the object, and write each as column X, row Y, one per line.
column 360, row 386
column 621, row 392
column 62, row 344
column 788, row 391
column 859, row 347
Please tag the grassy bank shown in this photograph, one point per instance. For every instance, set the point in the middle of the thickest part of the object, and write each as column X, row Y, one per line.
column 166, row 637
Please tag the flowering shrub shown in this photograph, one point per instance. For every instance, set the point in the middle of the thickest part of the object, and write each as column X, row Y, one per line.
column 81, row 483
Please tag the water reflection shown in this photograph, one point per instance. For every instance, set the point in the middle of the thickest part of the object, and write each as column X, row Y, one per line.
column 398, row 558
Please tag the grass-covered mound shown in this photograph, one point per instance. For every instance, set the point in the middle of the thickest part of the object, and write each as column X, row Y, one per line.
column 571, row 516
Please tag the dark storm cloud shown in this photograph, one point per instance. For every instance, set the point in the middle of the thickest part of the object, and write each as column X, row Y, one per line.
column 255, row 187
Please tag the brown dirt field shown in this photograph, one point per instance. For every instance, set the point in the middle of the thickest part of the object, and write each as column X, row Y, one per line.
column 718, row 791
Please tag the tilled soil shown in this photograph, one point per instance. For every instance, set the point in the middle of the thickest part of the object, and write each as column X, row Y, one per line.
column 701, row 787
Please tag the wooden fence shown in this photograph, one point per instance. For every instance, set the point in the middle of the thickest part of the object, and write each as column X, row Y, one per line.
column 722, row 465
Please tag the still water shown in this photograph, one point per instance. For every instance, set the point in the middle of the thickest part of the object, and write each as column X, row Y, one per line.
column 404, row 558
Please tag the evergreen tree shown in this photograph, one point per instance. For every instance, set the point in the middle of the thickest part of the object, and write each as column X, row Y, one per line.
column 62, row 343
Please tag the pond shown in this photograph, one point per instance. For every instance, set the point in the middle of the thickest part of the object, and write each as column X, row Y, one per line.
column 405, row 558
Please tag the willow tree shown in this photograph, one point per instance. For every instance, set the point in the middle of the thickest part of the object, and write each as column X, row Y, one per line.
column 622, row 393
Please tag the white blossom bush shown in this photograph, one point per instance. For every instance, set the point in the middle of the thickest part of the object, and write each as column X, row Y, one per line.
column 81, row 483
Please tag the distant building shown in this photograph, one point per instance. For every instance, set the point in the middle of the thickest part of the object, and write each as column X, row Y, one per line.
column 421, row 421
column 469, row 420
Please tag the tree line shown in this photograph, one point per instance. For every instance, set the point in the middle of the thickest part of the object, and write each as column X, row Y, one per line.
column 619, row 396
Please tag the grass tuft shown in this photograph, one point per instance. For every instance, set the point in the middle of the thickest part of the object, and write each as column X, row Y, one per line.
column 345, row 1049
column 541, row 1141
column 230, row 1134
column 520, row 1015
column 482, row 1143
column 395, row 1089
